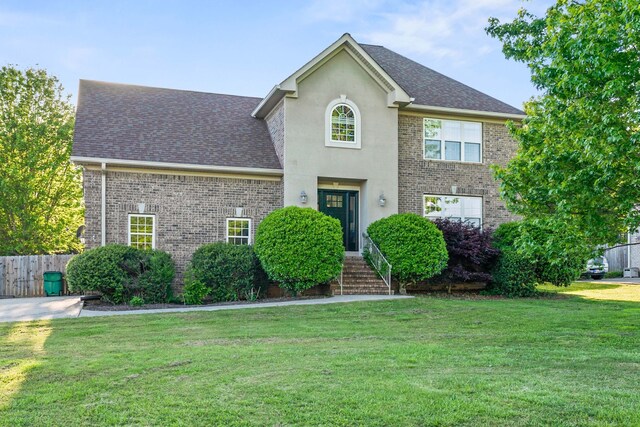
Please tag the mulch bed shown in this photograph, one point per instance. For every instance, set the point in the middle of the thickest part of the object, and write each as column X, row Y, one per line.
column 98, row 305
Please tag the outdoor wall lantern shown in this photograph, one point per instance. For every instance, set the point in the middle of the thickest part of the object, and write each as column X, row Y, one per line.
column 303, row 197
column 382, row 201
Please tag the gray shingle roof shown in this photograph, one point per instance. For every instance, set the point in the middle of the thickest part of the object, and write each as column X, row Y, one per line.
column 429, row 87
column 141, row 123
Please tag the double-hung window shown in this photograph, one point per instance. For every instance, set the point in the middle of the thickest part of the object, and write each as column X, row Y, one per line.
column 456, row 208
column 239, row 231
column 452, row 140
column 142, row 231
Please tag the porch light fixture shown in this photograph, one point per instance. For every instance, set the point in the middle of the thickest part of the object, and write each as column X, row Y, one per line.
column 303, row 197
column 382, row 201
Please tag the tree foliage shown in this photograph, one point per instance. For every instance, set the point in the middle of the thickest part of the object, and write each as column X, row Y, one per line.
column 577, row 172
column 40, row 189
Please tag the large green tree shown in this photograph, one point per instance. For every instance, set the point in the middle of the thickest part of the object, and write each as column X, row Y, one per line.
column 40, row 189
column 577, row 171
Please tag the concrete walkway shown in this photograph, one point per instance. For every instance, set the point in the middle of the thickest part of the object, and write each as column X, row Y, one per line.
column 331, row 300
column 21, row 309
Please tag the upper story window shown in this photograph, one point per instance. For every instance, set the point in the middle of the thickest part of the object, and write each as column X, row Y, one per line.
column 142, row 231
column 456, row 208
column 342, row 122
column 452, row 140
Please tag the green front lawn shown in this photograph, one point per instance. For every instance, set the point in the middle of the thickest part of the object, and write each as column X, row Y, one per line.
column 425, row 361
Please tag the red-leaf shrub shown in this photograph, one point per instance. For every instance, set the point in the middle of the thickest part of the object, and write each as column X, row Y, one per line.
column 471, row 255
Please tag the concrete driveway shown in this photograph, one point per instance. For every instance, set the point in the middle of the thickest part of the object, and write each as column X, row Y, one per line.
column 19, row 309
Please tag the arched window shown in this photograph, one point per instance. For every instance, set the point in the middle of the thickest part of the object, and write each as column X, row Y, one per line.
column 343, row 124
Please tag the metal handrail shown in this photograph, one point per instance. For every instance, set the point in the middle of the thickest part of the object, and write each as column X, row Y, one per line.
column 339, row 277
column 377, row 259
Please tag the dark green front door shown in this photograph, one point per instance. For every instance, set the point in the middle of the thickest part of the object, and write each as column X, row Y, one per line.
column 342, row 205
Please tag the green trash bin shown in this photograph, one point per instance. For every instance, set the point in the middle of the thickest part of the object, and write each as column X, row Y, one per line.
column 52, row 283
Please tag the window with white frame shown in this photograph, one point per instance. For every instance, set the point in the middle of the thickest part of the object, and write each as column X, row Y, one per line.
column 456, row 208
column 239, row 231
column 452, row 140
column 342, row 119
column 142, row 231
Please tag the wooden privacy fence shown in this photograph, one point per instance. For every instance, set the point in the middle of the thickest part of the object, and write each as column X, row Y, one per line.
column 21, row 276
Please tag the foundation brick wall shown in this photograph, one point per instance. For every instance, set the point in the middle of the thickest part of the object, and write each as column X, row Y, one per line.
column 190, row 210
column 417, row 176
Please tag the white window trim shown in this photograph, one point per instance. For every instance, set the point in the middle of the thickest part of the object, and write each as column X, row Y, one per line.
column 237, row 219
column 443, row 141
column 462, row 218
column 153, row 227
column 328, row 142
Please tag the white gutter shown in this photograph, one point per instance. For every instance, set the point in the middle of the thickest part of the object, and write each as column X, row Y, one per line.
column 434, row 109
column 103, row 207
column 179, row 166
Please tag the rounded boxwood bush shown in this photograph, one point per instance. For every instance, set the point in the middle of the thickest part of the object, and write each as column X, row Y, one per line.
column 413, row 245
column 229, row 272
column 299, row 247
column 120, row 272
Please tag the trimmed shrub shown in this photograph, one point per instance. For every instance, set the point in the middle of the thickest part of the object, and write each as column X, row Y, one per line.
column 154, row 282
column 413, row 245
column 229, row 272
column 513, row 276
column 299, row 247
column 529, row 240
column 120, row 272
column 471, row 255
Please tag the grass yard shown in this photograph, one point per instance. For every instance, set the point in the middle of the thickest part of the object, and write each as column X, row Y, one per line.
column 562, row 361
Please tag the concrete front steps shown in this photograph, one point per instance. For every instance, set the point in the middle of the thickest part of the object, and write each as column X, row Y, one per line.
column 359, row 279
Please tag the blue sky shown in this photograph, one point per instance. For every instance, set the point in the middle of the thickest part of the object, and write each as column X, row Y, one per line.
column 244, row 48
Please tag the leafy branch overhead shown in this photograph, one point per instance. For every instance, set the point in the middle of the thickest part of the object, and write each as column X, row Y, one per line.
column 40, row 189
column 577, row 170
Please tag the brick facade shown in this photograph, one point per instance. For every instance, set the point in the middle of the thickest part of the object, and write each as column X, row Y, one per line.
column 417, row 176
column 190, row 210
column 275, row 124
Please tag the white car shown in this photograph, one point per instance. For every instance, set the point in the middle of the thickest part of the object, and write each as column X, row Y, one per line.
column 597, row 267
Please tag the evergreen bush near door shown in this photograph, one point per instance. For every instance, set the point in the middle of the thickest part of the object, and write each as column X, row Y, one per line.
column 413, row 245
column 299, row 247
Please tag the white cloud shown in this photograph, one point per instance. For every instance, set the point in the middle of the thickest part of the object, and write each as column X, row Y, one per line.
column 445, row 30
column 448, row 30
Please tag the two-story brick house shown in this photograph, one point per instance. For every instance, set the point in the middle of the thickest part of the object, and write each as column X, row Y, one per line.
column 359, row 132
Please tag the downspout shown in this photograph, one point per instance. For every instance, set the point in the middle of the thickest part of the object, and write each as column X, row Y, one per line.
column 629, row 249
column 103, row 207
